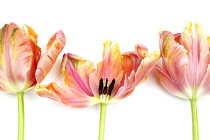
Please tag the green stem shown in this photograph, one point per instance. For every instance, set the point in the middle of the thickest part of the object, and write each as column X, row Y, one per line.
column 194, row 119
column 20, row 115
column 102, row 121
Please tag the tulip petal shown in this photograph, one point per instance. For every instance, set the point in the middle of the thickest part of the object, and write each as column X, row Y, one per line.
column 147, row 64
column 127, row 88
column 76, row 72
column 141, row 50
column 54, row 47
column 52, row 91
column 205, row 84
column 66, row 95
column 30, row 33
column 110, row 67
column 16, row 57
column 171, row 85
column 137, row 76
column 174, row 57
column 195, row 42
column 130, row 62
column 32, row 36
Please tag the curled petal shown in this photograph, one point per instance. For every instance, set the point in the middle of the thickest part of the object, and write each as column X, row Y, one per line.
column 76, row 73
column 66, row 95
column 30, row 33
column 130, row 62
column 54, row 47
column 138, row 76
column 147, row 64
column 141, row 50
column 52, row 91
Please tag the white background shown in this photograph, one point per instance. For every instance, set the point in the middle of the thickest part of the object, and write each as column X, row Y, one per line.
column 150, row 113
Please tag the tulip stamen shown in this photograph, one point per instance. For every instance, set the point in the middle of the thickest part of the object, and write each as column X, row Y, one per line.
column 100, row 88
column 105, row 88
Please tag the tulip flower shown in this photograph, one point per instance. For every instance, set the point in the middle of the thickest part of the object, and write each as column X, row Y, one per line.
column 21, row 63
column 185, row 66
column 114, row 79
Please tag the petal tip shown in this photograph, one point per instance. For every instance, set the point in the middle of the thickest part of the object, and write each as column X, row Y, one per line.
column 141, row 50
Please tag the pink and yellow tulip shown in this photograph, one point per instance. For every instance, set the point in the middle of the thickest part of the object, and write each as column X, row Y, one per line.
column 21, row 63
column 114, row 79
column 185, row 65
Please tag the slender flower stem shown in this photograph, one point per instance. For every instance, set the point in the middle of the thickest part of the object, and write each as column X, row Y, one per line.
column 195, row 134
column 20, row 115
column 102, row 121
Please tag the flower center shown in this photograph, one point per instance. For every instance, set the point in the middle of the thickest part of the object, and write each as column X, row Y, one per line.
column 105, row 88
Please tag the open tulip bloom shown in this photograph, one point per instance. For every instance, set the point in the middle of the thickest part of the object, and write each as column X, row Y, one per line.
column 114, row 79
column 21, row 63
column 185, row 68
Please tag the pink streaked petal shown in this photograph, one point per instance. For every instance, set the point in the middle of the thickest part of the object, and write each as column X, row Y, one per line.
column 110, row 67
column 171, row 86
column 174, row 59
column 77, row 99
column 16, row 55
column 94, row 83
column 76, row 72
column 66, row 95
column 205, row 84
column 138, row 76
column 194, row 39
column 127, row 88
column 54, row 47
